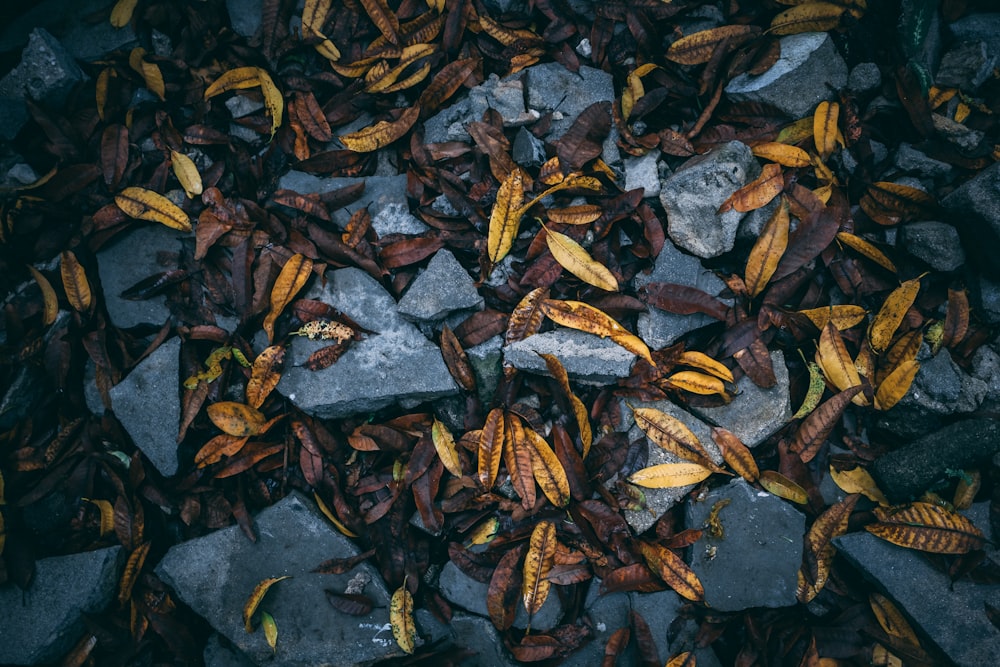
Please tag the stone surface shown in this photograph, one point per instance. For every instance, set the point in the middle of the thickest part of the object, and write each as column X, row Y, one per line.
column 936, row 243
column 755, row 413
column 906, row 472
column 475, row 635
column 215, row 574
column 755, row 562
column 967, row 66
column 385, row 197
column 527, row 150
column 245, row 16
column 47, row 73
column 961, row 135
column 486, row 360
column 396, row 363
column 692, row 195
column 642, row 172
column 13, row 116
column 147, row 404
column 131, row 257
column 914, row 161
column 978, row 198
column 442, row 288
column 219, row 653
column 587, row 358
column 41, row 624
column 462, row 590
column 951, row 614
column 658, row 328
column 809, row 71
column 986, row 299
column 90, row 41
column 982, row 26
column 243, row 105
column 864, row 78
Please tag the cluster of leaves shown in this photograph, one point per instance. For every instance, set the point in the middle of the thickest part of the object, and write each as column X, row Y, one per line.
column 256, row 247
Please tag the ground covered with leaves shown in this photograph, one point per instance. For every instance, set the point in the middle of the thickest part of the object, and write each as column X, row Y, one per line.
column 539, row 476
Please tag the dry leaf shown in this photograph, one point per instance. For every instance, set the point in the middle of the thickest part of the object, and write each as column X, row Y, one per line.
column 444, row 444
column 274, row 101
column 236, row 418
column 809, row 17
column 582, row 214
column 558, row 371
column 672, row 570
column 491, row 442
column 814, row 429
column 382, row 133
column 50, row 302
column 547, row 469
column 404, row 630
column 669, row 475
column 527, row 317
column 842, row 316
column 186, row 173
column 858, row 480
column 767, row 251
column 292, row 278
column 270, row 630
column 697, row 383
column 896, row 384
column 892, row 620
column 577, row 261
column 819, row 550
column 255, row 599
column 837, row 364
column 265, row 375
column 537, row 564
column 866, row 249
column 825, row 127
column 239, row 78
column 891, row 314
column 219, row 446
column 517, row 453
column 148, row 205
column 782, row 153
column 758, row 192
column 122, row 12
column 705, row 363
column 75, row 283
column 782, row 487
column 387, row 23
column 815, row 392
column 697, row 48
column 674, row 436
column 926, row 527
column 736, row 455
column 584, row 317
column 506, row 216
column 107, row 525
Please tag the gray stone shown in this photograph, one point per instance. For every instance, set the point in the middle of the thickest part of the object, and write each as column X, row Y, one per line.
column 936, row 243
column 22, row 174
column 442, row 288
column 218, row 653
column 967, row 66
column 245, row 16
column 462, row 590
column 864, row 78
column 659, row 328
column 962, row 136
column 486, row 360
column 215, row 574
column 24, row 393
column 978, row 198
column 162, row 46
column 908, row 471
column 755, row 562
column 984, row 26
column 153, row 383
column 505, row 95
column 604, row 614
column 809, row 71
column 46, row 73
column 90, row 41
column 986, row 367
column 951, row 614
column 847, row 159
column 384, row 196
column 692, row 196
column 587, row 358
column 132, row 256
column 475, row 635
column 395, row 363
column 528, row 150
column 245, row 134
column 755, row 413
column 911, row 160
column 987, row 299
column 642, row 172
column 243, row 105
column 753, row 222
column 13, row 117
column 42, row 624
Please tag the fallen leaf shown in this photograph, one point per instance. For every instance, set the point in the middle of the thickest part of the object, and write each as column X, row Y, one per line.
column 518, row 454
column 866, row 249
column 537, row 564
column 491, row 443
column 558, row 371
column 219, row 446
column 131, row 572
column 705, row 363
column 814, row 429
column 926, row 527
column 265, row 375
column 758, row 192
column 240, row 78
column 808, row 17
column 582, row 214
column 148, row 205
column 121, row 13
column 186, row 173
column 736, row 455
column 444, row 444
column 584, row 317
column 256, row 597
column 505, row 218
column 894, row 387
column 382, row 133
column 815, row 392
column 572, row 256
column 672, row 570
column 292, row 278
column 697, row 383
column 387, row 23
column 782, row 153
column 105, row 508
column 50, row 301
column 236, row 418
column 842, row 316
column 767, row 251
column 505, row 589
column 75, row 283
column 782, row 487
column 858, row 481
column 825, row 127
column 891, row 314
column 669, row 475
column 401, row 618
column 270, row 630
column 891, row 619
column 547, row 469
column 837, row 364
column 672, row 435
column 819, row 550
column 697, row 48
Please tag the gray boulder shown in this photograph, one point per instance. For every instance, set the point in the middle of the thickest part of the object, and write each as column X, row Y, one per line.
column 473, row 634
column 967, row 66
column 954, row 132
column 132, row 256
column 982, row 26
column 47, row 73
column 505, row 95
column 462, row 590
column 396, row 363
column 914, row 161
column 692, row 195
column 527, row 150
column 245, row 16
column 643, row 172
column 219, row 653
column 441, row 289
column 864, row 78
column 978, row 198
column 486, row 360
column 41, row 624
column 936, row 243
column 147, row 404
column 215, row 574
column 809, row 71
column 587, row 358
column 755, row 562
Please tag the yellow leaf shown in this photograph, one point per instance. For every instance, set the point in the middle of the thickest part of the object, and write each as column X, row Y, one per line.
column 697, row 383
column 582, row 214
column 107, row 510
column 259, row 591
column 815, row 570
column 75, row 282
column 858, row 480
column 825, row 127
column 485, row 531
column 815, row 392
column 517, row 455
column 758, row 192
column 891, row 314
column 219, row 446
column 926, row 527
column 784, row 154
column 328, row 50
column 270, row 630
column 866, row 249
column 584, row 317
column 577, row 261
column 669, row 567
column 811, row 17
column 148, row 205
column 274, row 101
column 783, row 487
column 265, row 374
column 705, row 363
column 697, row 48
column 131, row 572
column 150, row 72
column 962, row 112
column 842, row 316
column 239, row 78
column 558, row 371
column 537, row 565
column 385, row 81
column 401, row 618
column 895, row 386
column 50, row 303
column 547, row 469
column 382, row 133
column 736, row 454
column 444, row 444
column 892, row 620
column 236, row 418
column 685, row 659
column 672, row 435
column 332, row 517
column 186, row 173
column 292, row 278
column 506, row 216
column 837, row 364
column 767, row 250
column 314, row 15
column 121, row 13
column 101, row 91
column 667, row 475
column 634, row 90
column 796, row 132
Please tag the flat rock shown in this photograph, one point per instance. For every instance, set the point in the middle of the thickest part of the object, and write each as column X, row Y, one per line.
column 755, row 562
column 396, row 363
column 90, row 41
column 643, row 172
column 755, row 413
column 983, row 26
column 128, row 259
column 527, row 149
column 441, row 289
column 219, row 653
column 587, row 358
column 43, row 623
column 147, row 404
column 961, row 135
column 951, row 614
column 469, row 594
column 809, row 71
column 977, row 198
column 914, row 161
column 47, row 73
column 486, row 360
column 215, row 574
column 864, row 78
column 659, row 328
column 936, row 243
column 474, row 634
column 245, row 16
column 692, row 195
column 967, row 66
column 384, row 196
column 906, row 472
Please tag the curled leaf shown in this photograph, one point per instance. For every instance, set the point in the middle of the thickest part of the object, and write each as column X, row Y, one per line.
column 259, row 591
column 382, row 133
column 148, row 205
column 50, row 303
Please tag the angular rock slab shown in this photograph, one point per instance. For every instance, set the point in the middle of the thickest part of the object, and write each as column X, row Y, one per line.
column 755, row 562
column 587, row 358
column 951, row 614
column 692, row 196
column 809, row 71
column 755, row 413
column 47, row 72
column 127, row 260
column 469, row 594
column 444, row 287
column 41, row 624
column 147, row 404
column 396, row 363
column 215, row 574
column 978, row 197
column 475, row 634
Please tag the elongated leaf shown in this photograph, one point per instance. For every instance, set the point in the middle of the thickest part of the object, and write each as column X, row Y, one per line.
column 527, row 317
column 50, row 302
column 891, row 619
column 956, row 321
column 767, row 251
column 186, row 173
column 894, row 387
column 672, row 570
column 697, row 48
column 837, row 364
column 669, row 475
column 387, row 23
column 239, row 78
column 819, row 552
column 265, row 375
column 350, row 603
column 842, row 316
column 236, row 418
column 547, row 469
column 457, row 360
column 815, row 428
column 582, row 214
column 572, row 256
column 444, row 444
column 705, row 363
column 810, row 17
column 219, row 446
column 558, row 371
column 697, row 383
column 491, row 448
column 673, row 436
column 579, row 315
column 537, row 564
column 259, row 591
column 148, row 205
column 736, row 455
column 505, row 219
column 517, row 454
column 122, row 12
column 404, row 630
column 815, row 392
column 382, row 133
column 131, row 572
column 270, row 627
column 292, row 278
column 505, row 588
column 891, row 314
column 866, row 249
column 75, row 283
column 825, row 127
column 758, row 192
column 274, row 101
column 784, row 154
column 927, row 527
column 107, row 525
column 782, row 487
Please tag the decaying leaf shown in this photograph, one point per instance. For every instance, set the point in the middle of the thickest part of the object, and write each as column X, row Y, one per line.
column 697, row 48
column 757, row 193
column 672, row 570
column 270, row 630
column 579, row 315
column 782, row 153
column 858, row 481
column 819, row 550
column 697, row 383
column 292, row 278
column 767, row 251
column 669, row 475
column 50, row 302
column 236, row 418
column 808, row 17
column 736, row 455
column 505, row 219
column 186, row 173
column 783, row 487
column 148, row 205
column 825, row 127
column 404, row 630
column 815, row 392
column 256, row 597
column 706, row 363
column 837, row 364
column 673, row 436
column 491, row 442
column 895, row 385
column 444, row 444
column 892, row 620
column 75, row 283
column 518, row 453
column 815, row 428
column 866, row 249
column 537, row 564
column 265, row 375
column 382, row 133
column 527, row 317
column 926, row 527
column 547, row 469
column 891, row 314
column 842, row 316
column 572, row 256
column 558, row 371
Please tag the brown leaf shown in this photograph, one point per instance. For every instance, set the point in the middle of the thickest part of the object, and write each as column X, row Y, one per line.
column 547, row 469
column 541, row 553
column 236, row 418
column 265, row 375
column 219, row 446
column 582, row 214
column 583, row 141
column 131, row 572
column 819, row 552
column 767, row 251
column 697, row 48
column 259, row 591
column 456, row 360
column 382, row 133
column 956, row 320
column 148, row 205
column 558, row 371
column 581, row 316
column 672, row 570
column 517, row 454
column 674, row 436
column 736, row 455
column 505, row 218
column 891, row 314
column 350, row 603
column 891, row 619
column 926, row 527
column 387, row 23
column 114, row 154
column 327, row 356
column 527, row 317
column 815, row 428
column 758, row 192
column 292, row 278
column 809, row 17
column 491, row 448
column 836, row 363
column 75, row 283
column 683, row 300
column 446, row 83
column 505, row 588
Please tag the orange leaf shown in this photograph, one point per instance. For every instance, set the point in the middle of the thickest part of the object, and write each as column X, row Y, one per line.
column 825, row 127
column 236, row 418
column 579, row 315
column 837, row 365
column 505, row 218
column 672, row 570
column 265, row 375
column 782, row 487
column 491, row 448
column 75, row 283
column 697, row 48
column 382, row 133
column 926, row 527
column 767, row 251
column 891, row 314
column 292, row 278
column 517, row 454
column 537, row 564
column 736, row 454
column 896, row 384
column 547, row 469
column 673, row 436
column 219, row 446
column 758, row 192
column 784, row 154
